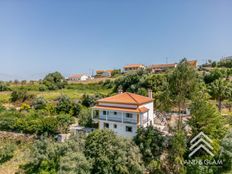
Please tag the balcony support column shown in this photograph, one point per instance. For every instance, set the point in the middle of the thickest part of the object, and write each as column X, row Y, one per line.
column 141, row 119
column 92, row 113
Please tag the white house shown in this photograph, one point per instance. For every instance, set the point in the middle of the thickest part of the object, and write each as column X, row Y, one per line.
column 124, row 113
column 78, row 77
column 104, row 73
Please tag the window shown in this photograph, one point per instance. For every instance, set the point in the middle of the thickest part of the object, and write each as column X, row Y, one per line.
column 104, row 112
column 128, row 129
column 106, row 125
column 115, row 113
column 128, row 115
column 115, row 126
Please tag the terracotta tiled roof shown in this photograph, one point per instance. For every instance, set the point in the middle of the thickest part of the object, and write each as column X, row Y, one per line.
column 193, row 63
column 76, row 75
column 134, row 66
column 137, row 110
column 173, row 65
column 102, row 71
column 126, row 98
column 109, row 71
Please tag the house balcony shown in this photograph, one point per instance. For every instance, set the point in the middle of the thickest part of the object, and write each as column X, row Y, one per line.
column 120, row 117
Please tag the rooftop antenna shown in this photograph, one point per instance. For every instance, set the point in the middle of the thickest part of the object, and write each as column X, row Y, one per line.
column 92, row 72
column 166, row 60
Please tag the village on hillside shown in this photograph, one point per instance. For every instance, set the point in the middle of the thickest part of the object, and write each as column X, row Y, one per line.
column 154, row 68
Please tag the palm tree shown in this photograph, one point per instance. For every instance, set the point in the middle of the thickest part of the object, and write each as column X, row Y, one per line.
column 220, row 90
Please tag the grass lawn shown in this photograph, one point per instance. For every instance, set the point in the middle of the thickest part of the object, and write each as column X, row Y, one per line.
column 74, row 91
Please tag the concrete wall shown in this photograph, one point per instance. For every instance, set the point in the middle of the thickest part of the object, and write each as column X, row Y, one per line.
column 151, row 111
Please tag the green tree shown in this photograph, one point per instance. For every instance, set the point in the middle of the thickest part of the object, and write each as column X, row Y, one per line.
column 220, row 90
column 74, row 163
column 226, row 62
column 182, row 84
column 111, row 154
column 151, row 143
column 214, row 75
column 54, row 81
column 176, row 153
column 88, row 100
column 206, row 118
column 226, row 152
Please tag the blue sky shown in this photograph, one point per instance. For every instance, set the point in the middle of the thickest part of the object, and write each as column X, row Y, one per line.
column 41, row 36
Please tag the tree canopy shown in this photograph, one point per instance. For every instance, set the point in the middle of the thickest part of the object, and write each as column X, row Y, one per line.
column 54, row 81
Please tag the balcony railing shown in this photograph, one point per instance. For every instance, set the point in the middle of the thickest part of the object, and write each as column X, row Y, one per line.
column 101, row 117
column 129, row 120
column 120, row 117
column 117, row 118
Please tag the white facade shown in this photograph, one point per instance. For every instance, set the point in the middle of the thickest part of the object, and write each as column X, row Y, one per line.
column 78, row 78
column 123, row 119
column 84, row 77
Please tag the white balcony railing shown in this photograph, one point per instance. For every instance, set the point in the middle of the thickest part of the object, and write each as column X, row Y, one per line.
column 119, row 117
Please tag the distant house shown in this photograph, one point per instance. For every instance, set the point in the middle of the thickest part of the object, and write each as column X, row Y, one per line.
column 104, row 73
column 156, row 68
column 192, row 63
column 161, row 67
column 124, row 113
column 133, row 67
column 78, row 77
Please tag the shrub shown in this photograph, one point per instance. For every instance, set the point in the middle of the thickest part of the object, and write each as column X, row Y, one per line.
column 85, row 118
column 25, row 107
column 4, row 87
column 76, row 108
column 2, row 108
column 21, row 96
column 34, row 122
column 64, row 105
column 43, row 87
column 7, row 152
column 88, row 100
column 39, row 103
column 8, row 119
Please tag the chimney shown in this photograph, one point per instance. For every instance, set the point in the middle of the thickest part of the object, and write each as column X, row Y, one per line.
column 120, row 90
column 150, row 93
